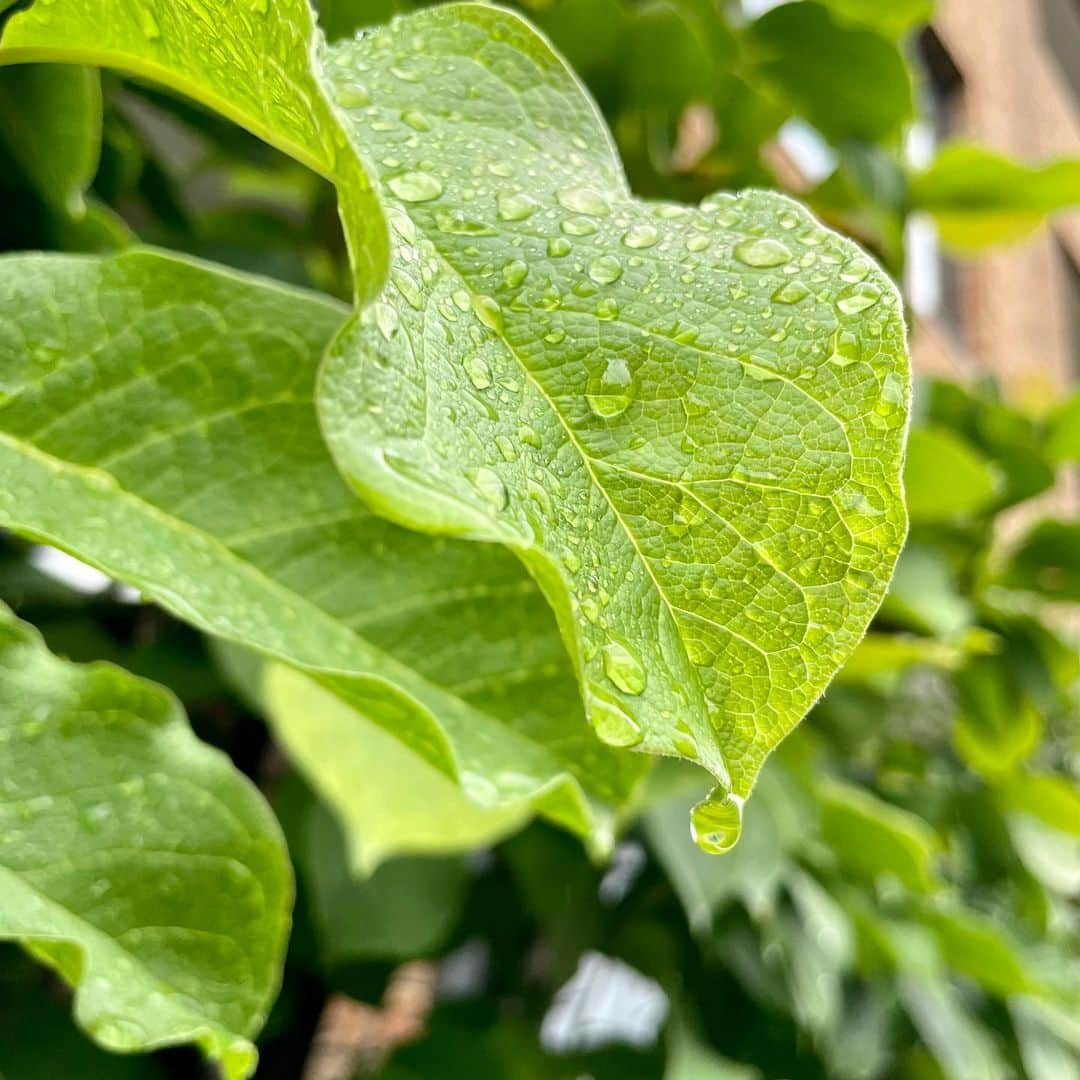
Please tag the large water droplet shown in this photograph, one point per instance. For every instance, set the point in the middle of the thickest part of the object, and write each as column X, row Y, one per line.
column 762, row 252
column 716, row 822
column 476, row 367
column 583, row 200
column 515, row 206
column 416, row 120
column 859, row 298
column 791, row 292
column 641, row 236
column 353, row 95
column 488, row 312
column 490, row 486
column 612, row 724
column 416, row 186
column 514, row 273
column 558, row 247
column 624, row 668
column 605, row 269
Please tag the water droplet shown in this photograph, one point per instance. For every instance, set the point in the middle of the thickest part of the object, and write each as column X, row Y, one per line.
column 790, row 292
column 605, row 269
column 529, row 436
column 624, row 668
column 697, row 242
column 859, row 298
column 416, row 120
column 506, row 447
column 856, row 270
column 716, row 822
column 488, row 312
column 514, row 273
column 416, row 186
column 476, row 367
column 353, row 95
column 607, row 309
column 579, row 226
column 555, row 337
column 762, row 253
column 515, row 206
column 386, row 319
column 583, row 200
column 558, row 247
column 612, row 724
column 641, row 236
column 490, row 486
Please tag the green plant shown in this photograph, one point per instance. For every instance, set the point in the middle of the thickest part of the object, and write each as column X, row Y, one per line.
column 573, row 475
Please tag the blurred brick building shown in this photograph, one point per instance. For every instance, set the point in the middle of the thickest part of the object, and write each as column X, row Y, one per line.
column 1007, row 74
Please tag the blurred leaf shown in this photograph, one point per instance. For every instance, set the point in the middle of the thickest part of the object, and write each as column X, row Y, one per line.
column 881, row 657
column 979, row 198
column 1054, row 800
column 1049, row 1038
column 691, row 1058
column 50, row 118
column 944, row 477
column 1051, row 856
column 826, row 69
column 1063, row 432
column 169, row 924
column 406, row 909
column 889, row 17
column 924, row 595
column 873, row 839
column 1047, row 562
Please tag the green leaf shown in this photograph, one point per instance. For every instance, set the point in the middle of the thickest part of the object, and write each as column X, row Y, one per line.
column 873, row 839
column 1047, row 562
column 170, row 924
column 143, row 395
column 406, row 909
column 944, row 477
column 979, row 198
column 687, row 422
column 1063, row 432
column 250, row 61
column 847, row 81
column 892, row 19
column 50, row 118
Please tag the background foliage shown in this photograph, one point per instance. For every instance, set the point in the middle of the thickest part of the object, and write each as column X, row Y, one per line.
column 903, row 901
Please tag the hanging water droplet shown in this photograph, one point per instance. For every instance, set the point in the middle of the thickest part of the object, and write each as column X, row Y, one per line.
column 488, row 312
column 583, row 200
column 761, row 252
column 624, row 668
column 490, row 486
column 605, row 269
column 859, row 298
column 612, row 724
column 476, row 367
column 514, row 273
column 716, row 822
column 416, row 186
column 641, row 236
column 515, row 206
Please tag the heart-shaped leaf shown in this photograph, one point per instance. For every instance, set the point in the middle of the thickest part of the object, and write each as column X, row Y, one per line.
column 687, row 422
column 144, row 396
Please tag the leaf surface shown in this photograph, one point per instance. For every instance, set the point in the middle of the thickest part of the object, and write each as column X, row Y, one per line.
column 159, row 425
column 687, row 422
column 157, row 884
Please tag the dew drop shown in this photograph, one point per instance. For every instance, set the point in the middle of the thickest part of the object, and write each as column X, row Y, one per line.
column 558, row 247
column 697, row 242
column 761, row 252
column 515, row 206
column 716, row 822
column 416, row 186
column 641, row 236
column 488, row 312
column 514, row 273
column 605, row 269
column 490, row 486
column 529, row 436
column 612, row 724
column 859, row 298
column 353, row 95
column 790, row 292
column 416, row 120
column 476, row 367
column 386, row 319
column 579, row 226
column 624, row 668
column 583, row 200
column 607, row 309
